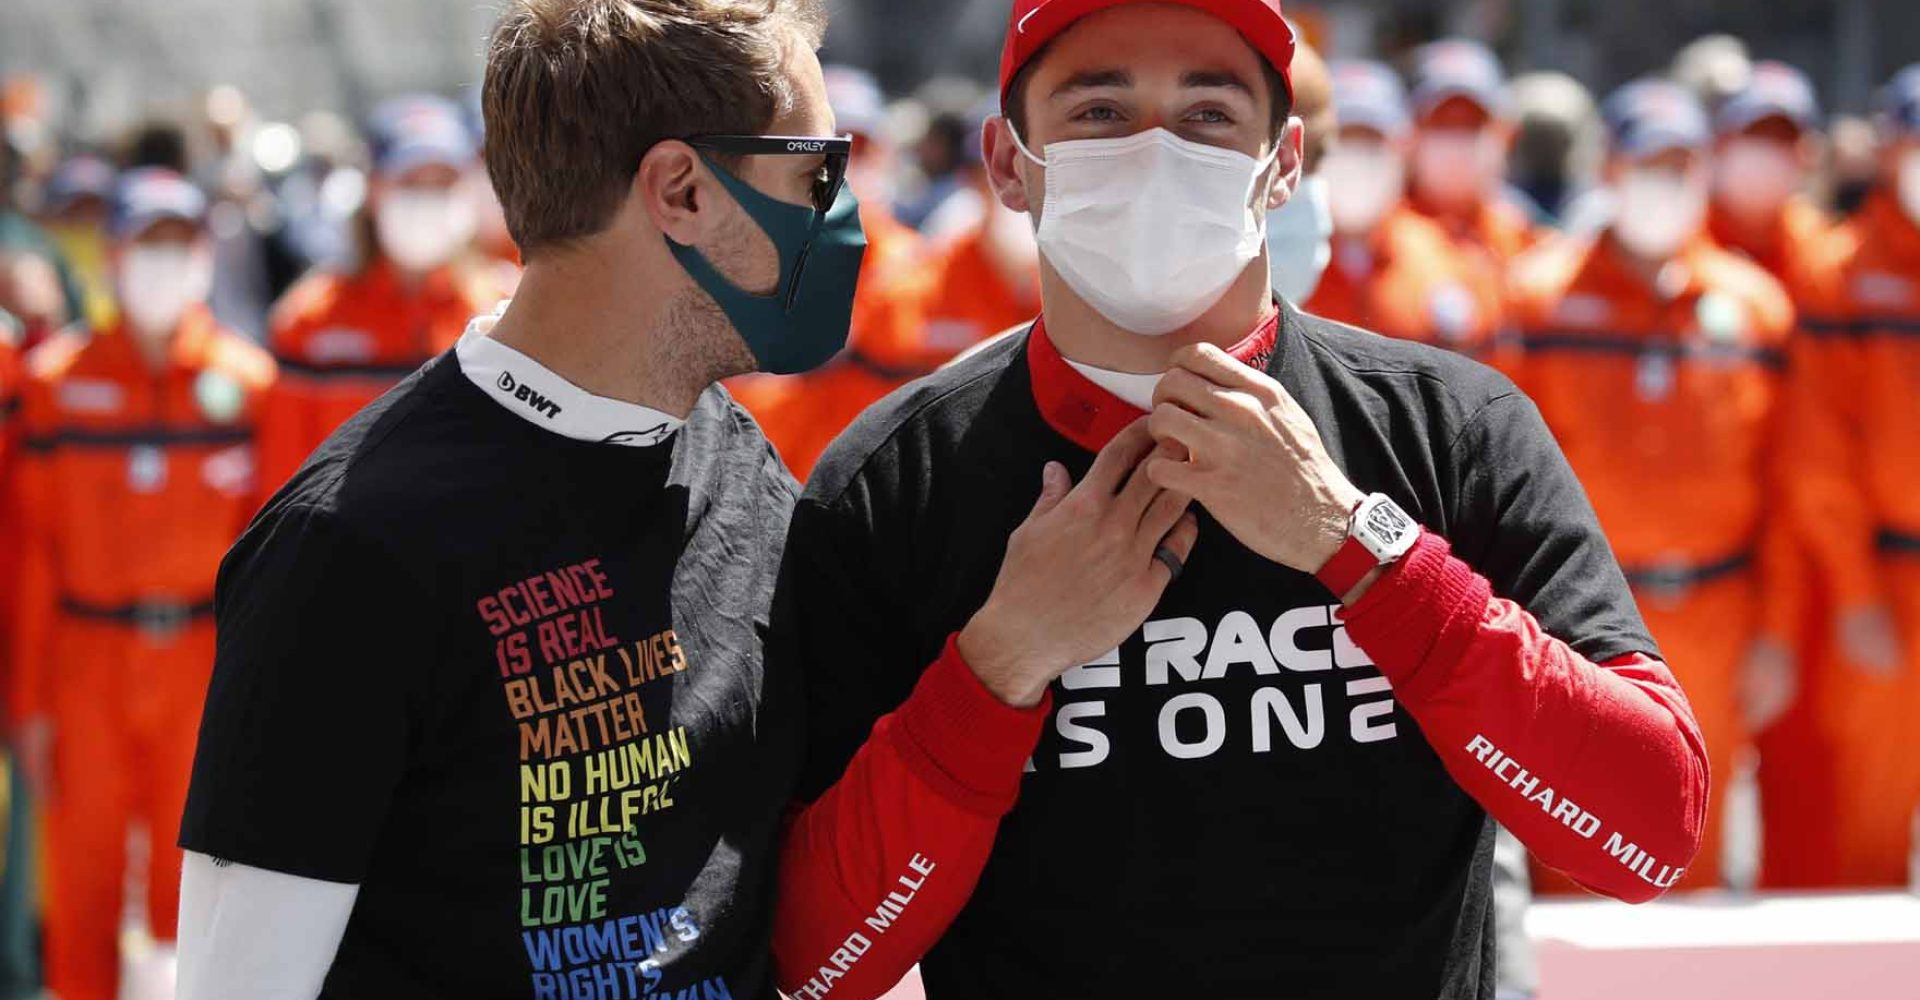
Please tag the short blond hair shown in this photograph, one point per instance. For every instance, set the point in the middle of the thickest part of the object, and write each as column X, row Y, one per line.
column 577, row 91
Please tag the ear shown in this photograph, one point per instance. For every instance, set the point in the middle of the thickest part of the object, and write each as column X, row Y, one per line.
column 1811, row 149
column 1289, row 164
column 1612, row 169
column 1507, row 133
column 675, row 190
column 1006, row 165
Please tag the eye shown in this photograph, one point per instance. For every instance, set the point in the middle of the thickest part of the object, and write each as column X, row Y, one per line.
column 1099, row 114
column 1210, row 116
column 826, row 181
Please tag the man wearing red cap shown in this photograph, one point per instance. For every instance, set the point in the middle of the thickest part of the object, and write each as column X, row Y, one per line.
column 1280, row 775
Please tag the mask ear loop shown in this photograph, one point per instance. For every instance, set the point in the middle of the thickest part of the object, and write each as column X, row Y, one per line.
column 1259, row 209
column 1021, row 146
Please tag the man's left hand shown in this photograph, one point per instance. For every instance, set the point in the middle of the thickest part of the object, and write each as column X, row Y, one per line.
column 1252, row 457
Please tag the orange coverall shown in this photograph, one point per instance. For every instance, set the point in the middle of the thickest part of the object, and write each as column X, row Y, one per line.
column 1665, row 393
column 1861, row 440
column 1496, row 227
column 132, row 485
column 802, row 414
column 10, row 376
column 1405, row 280
column 344, row 339
column 1798, row 795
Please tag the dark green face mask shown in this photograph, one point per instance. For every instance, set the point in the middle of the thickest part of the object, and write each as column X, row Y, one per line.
column 803, row 323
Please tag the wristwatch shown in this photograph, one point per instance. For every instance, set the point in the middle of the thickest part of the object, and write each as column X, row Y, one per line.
column 1378, row 534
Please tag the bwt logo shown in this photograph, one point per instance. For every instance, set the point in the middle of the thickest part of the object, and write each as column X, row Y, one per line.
column 525, row 394
column 806, row 146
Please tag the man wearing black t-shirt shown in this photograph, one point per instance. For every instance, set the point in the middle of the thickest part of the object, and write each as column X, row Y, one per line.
column 488, row 717
column 1400, row 623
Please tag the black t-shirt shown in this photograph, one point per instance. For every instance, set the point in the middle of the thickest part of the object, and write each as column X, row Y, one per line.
column 509, row 682
column 1232, row 805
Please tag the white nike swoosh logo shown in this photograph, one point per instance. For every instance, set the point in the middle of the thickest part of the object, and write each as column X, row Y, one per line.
column 1021, row 27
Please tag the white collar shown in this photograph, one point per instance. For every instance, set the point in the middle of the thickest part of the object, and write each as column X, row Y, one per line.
column 527, row 389
column 1132, row 388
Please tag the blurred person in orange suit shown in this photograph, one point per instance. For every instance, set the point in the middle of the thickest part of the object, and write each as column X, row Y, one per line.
column 802, row 413
column 977, row 284
column 137, row 472
column 1767, row 143
column 343, row 338
column 19, row 911
column 1463, row 129
column 1657, row 358
column 1300, row 233
column 1862, row 379
column 29, row 286
column 78, row 197
column 12, row 339
column 1393, row 270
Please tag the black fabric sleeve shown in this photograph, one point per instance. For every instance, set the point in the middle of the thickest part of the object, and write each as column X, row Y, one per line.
column 1522, row 519
column 842, row 627
column 306, row 727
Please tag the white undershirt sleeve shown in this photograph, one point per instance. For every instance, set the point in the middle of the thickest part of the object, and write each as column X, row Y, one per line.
column 249, row 932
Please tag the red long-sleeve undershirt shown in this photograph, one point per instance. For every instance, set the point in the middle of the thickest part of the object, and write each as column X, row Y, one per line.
column 1598, row 768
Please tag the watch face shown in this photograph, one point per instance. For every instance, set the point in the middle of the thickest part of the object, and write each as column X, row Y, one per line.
column 1386, row 523
column 1385, row 529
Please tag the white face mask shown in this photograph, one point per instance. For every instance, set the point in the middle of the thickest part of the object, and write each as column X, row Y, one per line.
column 1909, row 184
column 1754, row 177
column 1657, row 211
column 159, row 283
column 421, row 229
column 1364, row 181
column 1299, row 241
column 1151, row 229
column 1455, row 166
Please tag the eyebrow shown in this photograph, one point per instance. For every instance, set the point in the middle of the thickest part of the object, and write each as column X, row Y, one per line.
column 1216, row 78
column 1192, row 80
column 1092, row 78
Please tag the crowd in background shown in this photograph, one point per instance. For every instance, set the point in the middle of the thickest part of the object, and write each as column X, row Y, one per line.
column 1711, row 290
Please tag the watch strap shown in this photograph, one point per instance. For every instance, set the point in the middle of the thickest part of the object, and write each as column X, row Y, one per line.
column 1347, row 568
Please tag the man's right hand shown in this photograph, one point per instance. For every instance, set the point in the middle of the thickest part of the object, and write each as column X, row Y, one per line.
column 1080, row 574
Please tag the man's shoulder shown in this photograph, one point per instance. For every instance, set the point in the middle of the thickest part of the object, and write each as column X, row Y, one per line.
column 1550, row 268
column 731, row 448
column 398, row 460
column 56, row 357
column 239, row 357
column 939, row 405
column 310, row 301
column 1764, row 295
column 1405, row 369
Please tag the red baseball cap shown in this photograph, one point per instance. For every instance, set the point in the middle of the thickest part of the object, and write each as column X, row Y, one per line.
column 1034, row 23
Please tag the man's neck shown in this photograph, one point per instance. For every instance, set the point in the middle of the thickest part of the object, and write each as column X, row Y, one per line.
column 1651, row 271
column 1759, row 237
column 155, row 352
column 1082, row 334
column 586, row 322
column 1456, row 217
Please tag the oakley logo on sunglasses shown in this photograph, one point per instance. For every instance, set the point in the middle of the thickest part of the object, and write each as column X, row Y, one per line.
column 805, row 146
